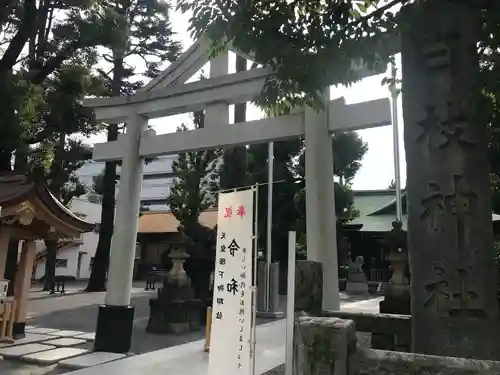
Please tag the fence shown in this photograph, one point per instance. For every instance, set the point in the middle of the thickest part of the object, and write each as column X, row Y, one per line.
column 375, row 274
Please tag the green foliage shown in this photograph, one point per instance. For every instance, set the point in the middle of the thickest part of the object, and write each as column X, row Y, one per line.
column 348, row 151
column 284, row 190
column 143, row 33
column 489, row 49
column 61, row 177
column 98, row 183
column 196, row 181
column 496, row 248
column 42, row 41
column 146, row 34
column 324, row 36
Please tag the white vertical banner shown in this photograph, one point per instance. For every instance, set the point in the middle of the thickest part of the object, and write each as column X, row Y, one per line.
column 231, row 332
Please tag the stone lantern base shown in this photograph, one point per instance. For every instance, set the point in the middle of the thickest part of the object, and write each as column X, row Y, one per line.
column 397, row 292
column 397, row 300
column 174, row 316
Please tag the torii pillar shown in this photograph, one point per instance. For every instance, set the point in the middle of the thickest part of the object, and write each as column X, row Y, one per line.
column 321, row 223
column 115, row 320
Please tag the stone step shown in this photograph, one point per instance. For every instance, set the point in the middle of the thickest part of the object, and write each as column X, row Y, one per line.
column 17, row 352
column 51, row 357
column 86, row 336
column 66, row 333
column 28, row 339
column 43, row 331
column 89, row 360
column 65, row 342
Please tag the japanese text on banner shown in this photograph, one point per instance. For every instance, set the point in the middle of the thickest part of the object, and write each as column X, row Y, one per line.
column 232, row 303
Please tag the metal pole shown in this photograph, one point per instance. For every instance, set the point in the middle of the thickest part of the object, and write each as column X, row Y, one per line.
column 395, row 140
column 270, row 176
column 254, row 288
column 290, row 304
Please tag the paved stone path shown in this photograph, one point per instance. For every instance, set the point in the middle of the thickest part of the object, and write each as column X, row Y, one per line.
column 78, row 312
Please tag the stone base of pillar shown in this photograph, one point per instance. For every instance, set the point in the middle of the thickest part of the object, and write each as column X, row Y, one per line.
column 18, row 330
column 114, row 329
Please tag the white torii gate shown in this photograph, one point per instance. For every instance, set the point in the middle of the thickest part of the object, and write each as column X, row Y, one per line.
column 169, row 94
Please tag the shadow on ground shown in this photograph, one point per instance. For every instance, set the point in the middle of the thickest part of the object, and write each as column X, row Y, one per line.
column 84, row 318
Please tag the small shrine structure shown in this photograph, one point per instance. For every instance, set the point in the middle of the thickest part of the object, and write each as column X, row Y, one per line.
column 30, row 212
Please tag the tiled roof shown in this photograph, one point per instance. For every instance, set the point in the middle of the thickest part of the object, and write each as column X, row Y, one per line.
column 165, row 222
column 377, row 210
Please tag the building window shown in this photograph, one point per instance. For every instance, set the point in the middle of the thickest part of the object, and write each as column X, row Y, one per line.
column 61, row 263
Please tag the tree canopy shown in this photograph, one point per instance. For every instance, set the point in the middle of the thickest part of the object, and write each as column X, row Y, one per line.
column 324, row 36
column 145, row 34
column 195, row 182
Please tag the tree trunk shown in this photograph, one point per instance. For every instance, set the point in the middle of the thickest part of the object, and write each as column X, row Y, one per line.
column 50, row 263
column 97, row 281
column 235, row 158
column 55, row 185
column 21, row 162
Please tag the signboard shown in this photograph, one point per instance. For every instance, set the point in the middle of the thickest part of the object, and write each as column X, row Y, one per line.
column 230, row 338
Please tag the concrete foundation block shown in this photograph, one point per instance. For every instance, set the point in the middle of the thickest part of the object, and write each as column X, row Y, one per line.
column 323, row 345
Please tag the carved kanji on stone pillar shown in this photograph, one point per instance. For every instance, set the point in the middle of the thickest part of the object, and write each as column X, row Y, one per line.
column 453, row 288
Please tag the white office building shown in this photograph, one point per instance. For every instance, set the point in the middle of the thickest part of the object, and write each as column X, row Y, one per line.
column 156, row 183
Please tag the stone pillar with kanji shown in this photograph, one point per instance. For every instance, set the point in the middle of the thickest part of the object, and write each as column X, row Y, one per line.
column 453, row 287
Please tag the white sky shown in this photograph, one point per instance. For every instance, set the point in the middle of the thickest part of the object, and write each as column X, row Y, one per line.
column 377, row 166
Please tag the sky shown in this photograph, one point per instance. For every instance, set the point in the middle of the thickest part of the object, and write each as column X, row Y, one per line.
column 377, row 168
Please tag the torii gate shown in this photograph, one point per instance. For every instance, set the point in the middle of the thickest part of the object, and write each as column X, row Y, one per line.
column 169, row 94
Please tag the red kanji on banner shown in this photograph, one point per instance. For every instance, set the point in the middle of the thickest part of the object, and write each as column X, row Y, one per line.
column 240, row 211
column 229, row 212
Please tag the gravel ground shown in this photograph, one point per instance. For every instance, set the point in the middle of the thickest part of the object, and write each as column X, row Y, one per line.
column 363, row 342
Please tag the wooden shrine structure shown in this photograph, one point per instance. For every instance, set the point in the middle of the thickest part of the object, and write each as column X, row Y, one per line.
column 29, row 212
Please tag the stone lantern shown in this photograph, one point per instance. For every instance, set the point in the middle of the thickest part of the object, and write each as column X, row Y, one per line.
column 175, row 310
column 397, row 291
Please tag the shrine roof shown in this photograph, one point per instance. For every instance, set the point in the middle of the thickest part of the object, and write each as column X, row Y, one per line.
column 377, row 223
column 22, row 195
column 390, row 207
column 377, row 210
column 165, row 222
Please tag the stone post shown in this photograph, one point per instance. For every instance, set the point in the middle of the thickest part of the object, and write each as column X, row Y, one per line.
column 454, row 299
column 320, row 202
column 22, row 286
column 116, row 318
column 309, row 287
column 397, row 291
column 322, row 346
column 261, row 286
